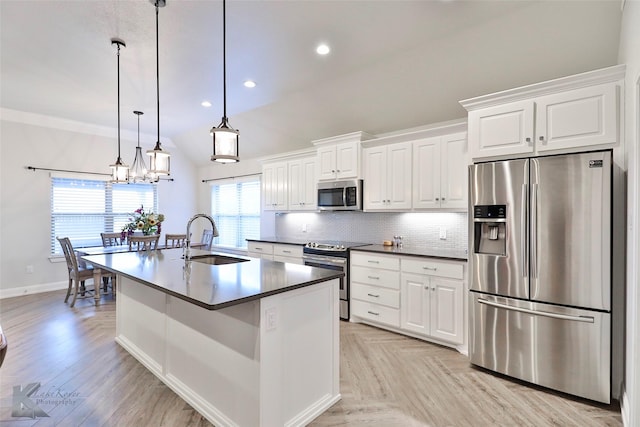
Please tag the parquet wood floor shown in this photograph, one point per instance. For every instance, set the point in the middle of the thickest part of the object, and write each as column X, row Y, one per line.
column 388, row 380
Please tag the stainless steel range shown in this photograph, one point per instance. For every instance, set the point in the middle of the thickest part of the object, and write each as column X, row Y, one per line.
column 334, row 256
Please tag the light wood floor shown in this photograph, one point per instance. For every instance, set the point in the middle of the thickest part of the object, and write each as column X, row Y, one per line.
column 386, row 379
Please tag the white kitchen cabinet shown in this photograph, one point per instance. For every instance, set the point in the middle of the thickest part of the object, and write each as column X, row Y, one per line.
column 574, row 113
column 375, row 288
column 302, row 184
column 387, row 174
column 432, row 299
column 440, row 167
column 340, row 161
column 274, row 186
column 281, row 252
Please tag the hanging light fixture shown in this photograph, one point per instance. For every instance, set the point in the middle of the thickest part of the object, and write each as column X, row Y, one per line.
column 225, row 138
column 159, row 159
column 119, row 170
column 138, row 172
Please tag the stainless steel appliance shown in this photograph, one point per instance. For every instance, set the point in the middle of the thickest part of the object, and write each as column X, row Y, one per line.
column 340, row 195
column 335, row 256
column 540, row 263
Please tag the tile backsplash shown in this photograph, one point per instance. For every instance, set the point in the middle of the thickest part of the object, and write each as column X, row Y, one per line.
column 417, row 228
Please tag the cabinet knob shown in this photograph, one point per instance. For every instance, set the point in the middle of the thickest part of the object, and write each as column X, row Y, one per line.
column 437, row 199
column 528, row 139
column 333, row 170
column 541, row 138
column 443, row 199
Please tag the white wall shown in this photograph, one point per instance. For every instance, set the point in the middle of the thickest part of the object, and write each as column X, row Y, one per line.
column 25, row 195
column 629, row 54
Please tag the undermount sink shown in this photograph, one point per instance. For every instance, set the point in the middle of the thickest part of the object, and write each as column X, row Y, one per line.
column 216, row 259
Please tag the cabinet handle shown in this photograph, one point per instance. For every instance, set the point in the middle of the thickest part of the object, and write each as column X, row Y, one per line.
column 258, row 249
column 542, row 138
column 373, row 312
column 528, row 139
column 430, row 268
column 373, row 277
column 287, row 252
column 373, row 262
column 374, row 296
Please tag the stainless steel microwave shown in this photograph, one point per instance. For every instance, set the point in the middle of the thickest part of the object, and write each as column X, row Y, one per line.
column 340, row 195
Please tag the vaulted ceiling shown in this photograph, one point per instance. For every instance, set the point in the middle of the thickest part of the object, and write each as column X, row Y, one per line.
column 394, row 64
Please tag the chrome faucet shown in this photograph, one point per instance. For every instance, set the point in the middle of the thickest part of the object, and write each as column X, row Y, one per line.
column 187, row 248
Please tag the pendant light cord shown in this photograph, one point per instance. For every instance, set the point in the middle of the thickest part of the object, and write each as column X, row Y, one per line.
column 224, row 58
column 118, row 44
column 158, row 71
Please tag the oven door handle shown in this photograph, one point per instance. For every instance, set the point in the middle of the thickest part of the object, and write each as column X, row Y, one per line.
column 325, row 260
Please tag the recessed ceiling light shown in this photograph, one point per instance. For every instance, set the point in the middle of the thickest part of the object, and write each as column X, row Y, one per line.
column 249, row 83
column 323, row 49
column 206, row 104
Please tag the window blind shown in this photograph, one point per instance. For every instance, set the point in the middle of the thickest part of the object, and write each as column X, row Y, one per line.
column 81, row 209
column 235, row 207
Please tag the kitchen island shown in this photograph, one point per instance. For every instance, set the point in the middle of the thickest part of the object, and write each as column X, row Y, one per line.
column 250, row 343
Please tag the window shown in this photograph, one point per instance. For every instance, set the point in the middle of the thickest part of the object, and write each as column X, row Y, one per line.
column 81, row 209
column 235, row 207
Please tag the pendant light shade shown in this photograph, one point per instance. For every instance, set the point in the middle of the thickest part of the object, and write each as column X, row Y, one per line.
column 159, row 159
column 119, row 170
column 225, row 138
column 138, row 172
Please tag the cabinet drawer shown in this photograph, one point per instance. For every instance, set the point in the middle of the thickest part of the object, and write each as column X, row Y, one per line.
column 376, row 295
column 260, row 248
column 375, row 276
column 288, row 250
column 376, row 261
column 376, row 313
column 433, row 268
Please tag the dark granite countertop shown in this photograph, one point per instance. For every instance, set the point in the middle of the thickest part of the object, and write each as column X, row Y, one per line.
column 421, row 251
column 211, row 286
column 284, row 241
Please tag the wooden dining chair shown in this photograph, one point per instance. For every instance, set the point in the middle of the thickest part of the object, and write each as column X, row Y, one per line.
column 174, row 240
column 207, row 239
column 144, row 243
column 79, row 274
column 111, row 239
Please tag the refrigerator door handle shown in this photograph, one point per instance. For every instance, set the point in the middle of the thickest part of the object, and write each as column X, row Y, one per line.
column 534, row 230
column 523, row 232
column 586, row 319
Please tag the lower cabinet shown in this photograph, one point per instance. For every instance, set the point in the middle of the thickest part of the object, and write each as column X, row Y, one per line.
column 422, row 297
column 276, row 252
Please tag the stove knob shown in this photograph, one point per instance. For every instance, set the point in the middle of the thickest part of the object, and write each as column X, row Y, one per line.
column 342, row 247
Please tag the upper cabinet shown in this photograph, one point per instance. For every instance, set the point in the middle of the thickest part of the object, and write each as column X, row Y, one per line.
column 274, row 186
column 440, row 167
column 339, row 157
column 568, row 114
column 303, row 184
column 387, row 177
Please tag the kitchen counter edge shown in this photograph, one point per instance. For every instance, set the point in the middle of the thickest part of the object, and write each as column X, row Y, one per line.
column 449, row 254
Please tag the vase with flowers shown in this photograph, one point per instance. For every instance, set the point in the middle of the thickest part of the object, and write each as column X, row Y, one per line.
column 147, row 222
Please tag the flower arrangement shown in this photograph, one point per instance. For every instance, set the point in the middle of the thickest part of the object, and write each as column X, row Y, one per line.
column 147, row 222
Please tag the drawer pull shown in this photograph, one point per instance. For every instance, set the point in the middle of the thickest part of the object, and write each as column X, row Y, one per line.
column 430, row 268
column 373, row 262
column 374, row 295
column 374, row 277
column 287, row 252
column 373, row 312
column 258, row 249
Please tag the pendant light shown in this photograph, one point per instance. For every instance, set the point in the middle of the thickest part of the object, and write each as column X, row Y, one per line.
column 159, row 159
column 225, row 138
column 138, row 172
column 119, row 170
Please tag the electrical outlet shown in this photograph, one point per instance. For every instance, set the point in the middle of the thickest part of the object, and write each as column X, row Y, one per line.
column 304, row 228
column 443, row 233
column 271, row 318
column 29, row 269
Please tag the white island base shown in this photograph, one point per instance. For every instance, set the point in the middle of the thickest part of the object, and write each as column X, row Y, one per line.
column 270, row 362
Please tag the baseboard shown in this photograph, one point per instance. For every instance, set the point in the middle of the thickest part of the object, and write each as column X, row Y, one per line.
column 624, row 408
column 33, row 289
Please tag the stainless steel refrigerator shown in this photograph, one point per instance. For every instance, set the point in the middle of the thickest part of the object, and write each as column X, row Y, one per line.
column 540, row 271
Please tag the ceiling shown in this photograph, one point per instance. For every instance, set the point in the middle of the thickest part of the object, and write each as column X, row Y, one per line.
column 394, row 64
